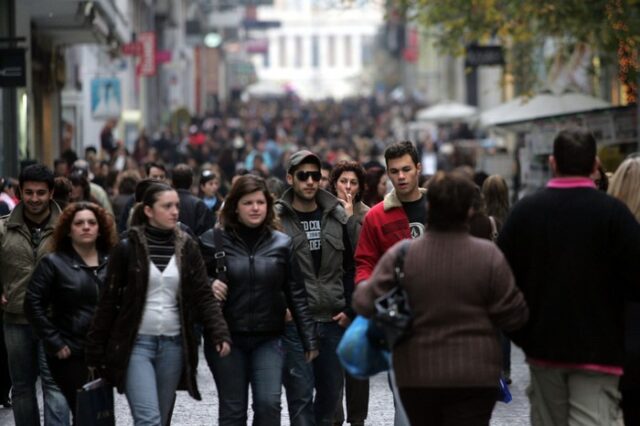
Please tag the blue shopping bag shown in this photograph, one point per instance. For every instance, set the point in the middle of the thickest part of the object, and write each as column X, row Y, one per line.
column 359, row 357
column 504, row 394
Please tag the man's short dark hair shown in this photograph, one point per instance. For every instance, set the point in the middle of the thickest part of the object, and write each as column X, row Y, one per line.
column 400, row 149
column 150, row 164
column 37, row 173
column 141, row 188
column 182, row 177
column 575, row 152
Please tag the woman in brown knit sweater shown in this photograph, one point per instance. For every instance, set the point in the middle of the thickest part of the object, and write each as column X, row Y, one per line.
column 461, row 291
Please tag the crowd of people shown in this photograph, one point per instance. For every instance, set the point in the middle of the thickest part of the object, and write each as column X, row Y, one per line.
column 264, row 233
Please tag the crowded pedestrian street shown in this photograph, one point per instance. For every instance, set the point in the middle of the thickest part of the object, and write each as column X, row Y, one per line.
column 319, row 213
column 192, row 413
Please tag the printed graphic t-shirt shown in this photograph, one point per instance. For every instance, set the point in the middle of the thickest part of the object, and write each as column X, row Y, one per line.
column 311, row 224
column 417, row 213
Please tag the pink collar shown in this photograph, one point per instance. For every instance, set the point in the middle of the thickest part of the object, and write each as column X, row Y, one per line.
column 571, row 182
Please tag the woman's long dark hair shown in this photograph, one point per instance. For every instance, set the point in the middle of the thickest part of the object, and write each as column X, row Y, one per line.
column 151, row 195
column 372, row 178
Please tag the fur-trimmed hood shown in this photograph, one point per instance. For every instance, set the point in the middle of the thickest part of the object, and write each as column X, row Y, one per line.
column 391, row 200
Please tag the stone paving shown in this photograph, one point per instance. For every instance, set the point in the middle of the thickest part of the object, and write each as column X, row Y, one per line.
column 200, row 413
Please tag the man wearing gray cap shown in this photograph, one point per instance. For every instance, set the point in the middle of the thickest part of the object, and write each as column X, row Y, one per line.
column 315, row 220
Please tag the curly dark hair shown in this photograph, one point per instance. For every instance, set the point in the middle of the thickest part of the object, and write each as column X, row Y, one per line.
column 107, row 235
column 246, row 184
column 347, row 166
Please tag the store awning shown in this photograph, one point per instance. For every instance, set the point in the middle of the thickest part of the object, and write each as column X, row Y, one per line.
column 76, row 22
column 542, row 105
column 446, row 111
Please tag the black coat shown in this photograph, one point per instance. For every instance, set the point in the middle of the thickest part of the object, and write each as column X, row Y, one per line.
column 66, row 285
column 119, row 314
column 194, row 212
column 262, row 283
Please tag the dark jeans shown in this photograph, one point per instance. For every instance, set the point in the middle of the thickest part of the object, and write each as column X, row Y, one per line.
column 324, row 375
column 357, row 400
column 26, row 362
column 255, row 361
column 70, row 375
column 449, row 406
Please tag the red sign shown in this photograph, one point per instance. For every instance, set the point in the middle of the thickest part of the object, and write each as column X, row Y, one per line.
column 147, row 65
column 163, row 56
column 132, row 49
column 411, row 51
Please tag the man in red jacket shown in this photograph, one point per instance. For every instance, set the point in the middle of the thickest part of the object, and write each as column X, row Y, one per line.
column 401, row 214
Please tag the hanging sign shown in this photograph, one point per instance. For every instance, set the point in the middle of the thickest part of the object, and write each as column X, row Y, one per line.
column 13, row 68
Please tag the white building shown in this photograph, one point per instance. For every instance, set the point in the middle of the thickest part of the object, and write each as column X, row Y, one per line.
column 321, row 48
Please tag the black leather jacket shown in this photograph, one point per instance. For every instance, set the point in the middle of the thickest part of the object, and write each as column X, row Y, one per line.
column 65, row 285
column 262, row 283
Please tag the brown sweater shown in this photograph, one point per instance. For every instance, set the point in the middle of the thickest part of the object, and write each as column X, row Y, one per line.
column 461, row 291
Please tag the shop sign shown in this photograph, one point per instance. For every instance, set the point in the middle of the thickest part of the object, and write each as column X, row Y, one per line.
column 13, row 69
column 484, row 55
column 147, row 65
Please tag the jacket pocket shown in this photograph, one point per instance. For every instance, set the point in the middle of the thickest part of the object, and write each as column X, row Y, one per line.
column 336, row 243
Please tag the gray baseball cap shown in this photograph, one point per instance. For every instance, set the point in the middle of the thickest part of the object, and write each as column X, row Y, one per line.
column 300, row 157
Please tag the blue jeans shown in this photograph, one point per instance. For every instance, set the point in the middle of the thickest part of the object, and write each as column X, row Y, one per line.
column 152, row 378
column 26, row 362
column 324, row 374
column 255, row 361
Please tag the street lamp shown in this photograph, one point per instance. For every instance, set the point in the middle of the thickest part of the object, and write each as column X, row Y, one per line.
column 213, row 40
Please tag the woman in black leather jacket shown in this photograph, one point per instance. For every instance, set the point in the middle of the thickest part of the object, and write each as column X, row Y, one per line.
column 67, row 283
column 262, row 281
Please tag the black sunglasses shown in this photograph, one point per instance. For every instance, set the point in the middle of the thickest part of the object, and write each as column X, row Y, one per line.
column 303, row 176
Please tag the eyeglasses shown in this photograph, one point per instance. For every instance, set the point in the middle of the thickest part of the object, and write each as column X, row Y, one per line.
column 304, row 176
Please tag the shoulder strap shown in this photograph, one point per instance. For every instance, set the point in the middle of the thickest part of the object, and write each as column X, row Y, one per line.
column 399, row 265
column 219, row 255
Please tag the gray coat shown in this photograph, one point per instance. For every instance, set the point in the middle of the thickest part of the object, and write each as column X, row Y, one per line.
column 325, row 291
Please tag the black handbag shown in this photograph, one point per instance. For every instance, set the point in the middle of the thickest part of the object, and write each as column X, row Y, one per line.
column 94, row 404
column 392, row 318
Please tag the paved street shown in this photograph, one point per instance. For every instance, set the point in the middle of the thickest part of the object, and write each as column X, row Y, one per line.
column 190, row 412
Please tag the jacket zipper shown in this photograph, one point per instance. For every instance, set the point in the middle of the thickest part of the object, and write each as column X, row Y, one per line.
column 252, row 253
